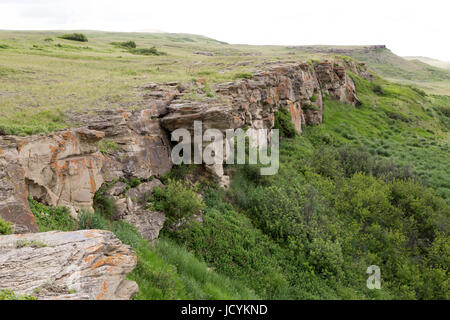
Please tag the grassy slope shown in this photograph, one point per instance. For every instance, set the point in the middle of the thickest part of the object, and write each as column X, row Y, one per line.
column 432, row 78
column 404, row 126
column 392, row 67
column 319, row 225
column 432, row 62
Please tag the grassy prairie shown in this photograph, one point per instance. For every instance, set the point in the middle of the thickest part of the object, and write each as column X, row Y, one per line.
column 42, row 76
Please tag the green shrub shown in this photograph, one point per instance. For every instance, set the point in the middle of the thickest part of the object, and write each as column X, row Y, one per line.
column 243, row 75
column 284, row 123
column 7, row 294
column 52, row 218
column 418, row 91
column 133, row 182
column 147, row 51
column 168, row 271
column 445, row 110
column 377, row 89
column 107, row 146
column 229, row 243
column 313, row 98
column 90, row 220
column 177, row 200
column 74, row 36
column 5, row 227
column 104, row 204
column 126, row 44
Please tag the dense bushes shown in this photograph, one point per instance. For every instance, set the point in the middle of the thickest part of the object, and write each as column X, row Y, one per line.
column 346, row 210
column 229, row 243
column 74, row 36
column 177, row 200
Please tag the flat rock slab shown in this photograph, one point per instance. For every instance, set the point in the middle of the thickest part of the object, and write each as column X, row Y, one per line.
column 79, row 265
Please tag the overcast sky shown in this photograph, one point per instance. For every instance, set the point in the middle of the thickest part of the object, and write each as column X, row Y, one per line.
column 408, row 27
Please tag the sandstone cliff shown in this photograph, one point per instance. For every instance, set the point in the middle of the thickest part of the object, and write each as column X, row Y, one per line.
column 67, row 168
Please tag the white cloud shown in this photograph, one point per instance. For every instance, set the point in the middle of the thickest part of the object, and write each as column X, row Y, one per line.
column 407, row 27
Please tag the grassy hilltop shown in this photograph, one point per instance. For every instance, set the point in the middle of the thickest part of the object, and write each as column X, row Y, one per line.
column 370, row 186
column 43, row 77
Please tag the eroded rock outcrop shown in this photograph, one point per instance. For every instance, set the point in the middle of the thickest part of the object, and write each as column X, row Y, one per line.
column 66, row 168
column 63, row 168
column 297, row 87
column 81, row 265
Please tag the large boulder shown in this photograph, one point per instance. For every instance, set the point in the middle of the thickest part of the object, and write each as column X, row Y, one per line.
column 81, row 265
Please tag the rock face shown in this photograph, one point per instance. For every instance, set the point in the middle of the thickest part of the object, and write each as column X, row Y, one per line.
column 132, row 208
column 13, row 190
column 335, row 81
column 297, row 87
column 64, row 168
column 143, row 149
column 82, row 265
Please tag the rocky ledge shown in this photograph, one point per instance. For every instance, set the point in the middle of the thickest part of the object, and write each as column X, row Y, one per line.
column 81, row 265
column 67, row 168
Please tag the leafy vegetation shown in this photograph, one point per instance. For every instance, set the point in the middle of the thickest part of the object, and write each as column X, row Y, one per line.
column 168, row 271
column 104, row 204
column 338, row 205
column 30, row 243
column 177, row 200
column 5, row 227
column 74, row 36
column 284, row 123
column 125, row 44
column 147, row 51
column 107, row 146
column 7, row 294
column 52, row 218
